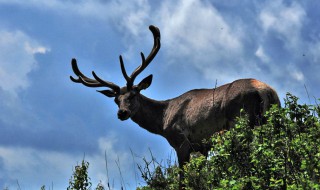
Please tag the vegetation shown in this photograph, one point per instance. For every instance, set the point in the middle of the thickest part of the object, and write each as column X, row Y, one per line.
column 80, row 179
column 284, row 153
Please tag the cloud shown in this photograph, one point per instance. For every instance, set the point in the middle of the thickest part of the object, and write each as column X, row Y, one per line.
column 297, row 75
column 196, row 27
column 281, row 18
column 295, row 72
column 97, row 9
column 196, row 34
column 114, row 156
column 313, row 52
column 191, row 30
column 134, row 15
column 17, row 60
column 262, row 55
column 189, row 27
column 286, row 20
column 212, row 41
column 23, row 164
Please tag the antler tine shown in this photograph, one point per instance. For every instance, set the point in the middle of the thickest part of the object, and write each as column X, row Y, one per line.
column 123, row 69
column 88, row 84
column 111, row 85
column 145, row 61
column 79, row 73
column 91, row 82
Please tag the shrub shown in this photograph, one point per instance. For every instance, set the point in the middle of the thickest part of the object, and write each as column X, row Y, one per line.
column 284, row 153
column 80, row 179
column 159, row 177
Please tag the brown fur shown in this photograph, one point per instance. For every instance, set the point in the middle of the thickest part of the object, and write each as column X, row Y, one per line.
column 187, row 120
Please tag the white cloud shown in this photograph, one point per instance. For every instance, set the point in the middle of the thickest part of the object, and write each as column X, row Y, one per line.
column 190, row 28
column 33, row 168
column 23, row 164
column 262, row 55
column 17, row 60
column 97, row 9
column 195, row 31
column 107, row 145
column 283, row 19
column 35, row 49
column 313, row 52
column 295, row 72
column 134, row 15
column 297, row 75
column 198, row 27
column 87, row 8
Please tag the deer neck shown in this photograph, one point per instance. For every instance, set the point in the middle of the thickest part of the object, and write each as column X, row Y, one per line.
column 150, row 115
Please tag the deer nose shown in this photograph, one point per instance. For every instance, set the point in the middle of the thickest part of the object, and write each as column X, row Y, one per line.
column 123, row 114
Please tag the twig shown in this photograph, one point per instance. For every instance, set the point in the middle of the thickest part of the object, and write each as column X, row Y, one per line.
column 134, row 167
column 18, row 185
column 305, row 87
column 153, row 159
column 106, row 160
column 121, row 176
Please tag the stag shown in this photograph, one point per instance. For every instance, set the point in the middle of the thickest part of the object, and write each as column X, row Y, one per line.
column 185, row 121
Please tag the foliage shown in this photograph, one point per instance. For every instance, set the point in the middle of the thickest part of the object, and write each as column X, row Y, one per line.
column 159, row 177
column 80, row 179
column 284, row 153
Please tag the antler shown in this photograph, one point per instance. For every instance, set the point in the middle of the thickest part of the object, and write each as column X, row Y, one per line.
column 145, row 61
column 98, row 82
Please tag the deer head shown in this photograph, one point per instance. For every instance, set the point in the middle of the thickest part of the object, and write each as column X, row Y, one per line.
column 127, row 97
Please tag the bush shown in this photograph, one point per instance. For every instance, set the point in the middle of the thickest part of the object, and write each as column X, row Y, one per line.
column 80, row 179
column 284, row 153
column 159, row 177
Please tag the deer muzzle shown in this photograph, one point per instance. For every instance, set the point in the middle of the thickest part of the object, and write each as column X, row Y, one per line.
column 123, row 114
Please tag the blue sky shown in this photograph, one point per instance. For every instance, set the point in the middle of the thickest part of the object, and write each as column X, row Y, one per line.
column 48, row 123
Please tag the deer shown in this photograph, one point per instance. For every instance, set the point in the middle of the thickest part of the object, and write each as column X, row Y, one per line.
column 187, row 120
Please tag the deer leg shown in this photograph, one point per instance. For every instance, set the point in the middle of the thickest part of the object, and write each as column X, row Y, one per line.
column 183, row 153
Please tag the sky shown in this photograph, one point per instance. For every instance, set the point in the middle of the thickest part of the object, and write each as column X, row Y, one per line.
column 48, row 124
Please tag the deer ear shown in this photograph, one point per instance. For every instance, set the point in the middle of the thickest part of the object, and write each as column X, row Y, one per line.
column 145, row 83
column 108, row 93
